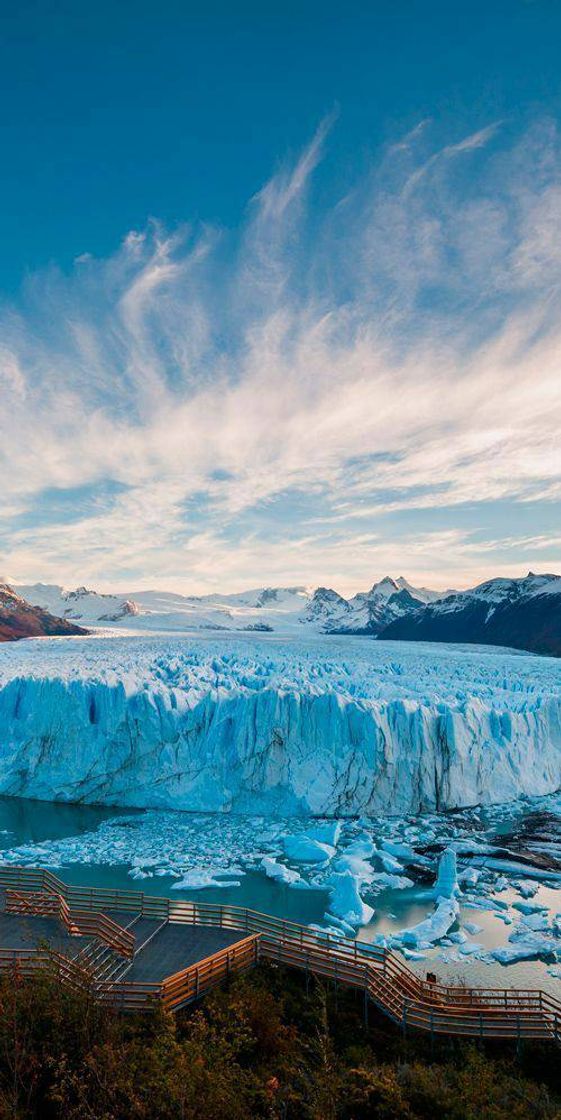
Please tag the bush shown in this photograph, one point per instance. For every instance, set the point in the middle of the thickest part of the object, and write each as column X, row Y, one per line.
column 261, row 1049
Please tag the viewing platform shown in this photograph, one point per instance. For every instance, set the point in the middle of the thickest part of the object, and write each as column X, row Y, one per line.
column 135, row 951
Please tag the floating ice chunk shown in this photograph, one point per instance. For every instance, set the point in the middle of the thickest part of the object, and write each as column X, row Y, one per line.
column 446, row 885
column 526, row 889
column 400, row 851
column 471, row 847
column 469, row 875
column 470, row 948
column 433, row 928
column 483, row 903
column 345, row 900
column 381, row 881
column 389, row 862
column 528, row 907
column 458, row 938
column 537, row 922
column 518, row 868
column 324, row 931
column 279, row 871
column 362, row 846
column 359, row 869
column 328, row 833
column 344, row 927
column 528, row 948
column 304, row 849
column 198, row 879
column 306, row 885
column 472, row 928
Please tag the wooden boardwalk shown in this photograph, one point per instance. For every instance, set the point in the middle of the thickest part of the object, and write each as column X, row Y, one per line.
column 180, row 950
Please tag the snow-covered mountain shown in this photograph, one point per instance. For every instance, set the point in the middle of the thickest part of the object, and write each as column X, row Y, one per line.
column 271, row 609
column 81, row 605
column 368, row 612
column 520, row 613
column 20, row 619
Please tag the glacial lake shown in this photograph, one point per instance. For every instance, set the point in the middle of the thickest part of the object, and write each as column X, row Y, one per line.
column 151, row 850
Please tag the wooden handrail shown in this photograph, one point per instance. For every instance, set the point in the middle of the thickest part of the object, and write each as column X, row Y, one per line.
column 379, row 972
column 81, row 923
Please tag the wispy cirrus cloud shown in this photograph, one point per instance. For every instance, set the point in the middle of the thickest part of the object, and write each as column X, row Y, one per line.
column 299, row 400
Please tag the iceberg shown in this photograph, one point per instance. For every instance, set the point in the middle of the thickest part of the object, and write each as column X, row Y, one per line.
column 525, row 950
column 328, row 833
column 313, row 728
column 304, row 849
column 279, row 871
column 345, row 901
column 433, row 928
column 446, row 885
column 200, row 878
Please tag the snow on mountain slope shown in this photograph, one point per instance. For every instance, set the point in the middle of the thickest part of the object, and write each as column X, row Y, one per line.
column 368, row 612
column 269, row 608
column 521, row 613
column 371, row 611
column 20, row 619
column 278, row 609
column 81, row 605
column 423, row 594
column 270, row 726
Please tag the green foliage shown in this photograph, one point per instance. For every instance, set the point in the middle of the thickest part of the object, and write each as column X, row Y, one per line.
column 263, row 1048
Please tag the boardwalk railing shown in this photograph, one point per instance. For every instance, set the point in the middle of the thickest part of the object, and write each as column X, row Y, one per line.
column 80, row 923
column 381, row 974
column 184, row 986
column 28, row 962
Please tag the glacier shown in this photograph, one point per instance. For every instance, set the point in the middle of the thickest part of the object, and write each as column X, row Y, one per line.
column 333, row 727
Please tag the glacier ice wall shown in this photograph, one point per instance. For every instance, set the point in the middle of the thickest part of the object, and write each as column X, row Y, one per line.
column 328, row 726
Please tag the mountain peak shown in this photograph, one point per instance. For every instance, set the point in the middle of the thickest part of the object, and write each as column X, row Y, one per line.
column 384, row 587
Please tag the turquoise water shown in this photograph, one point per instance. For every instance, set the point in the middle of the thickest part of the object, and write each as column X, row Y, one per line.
column 23, row 821
column 82, row 843
column 30, row 822
column 255, row 891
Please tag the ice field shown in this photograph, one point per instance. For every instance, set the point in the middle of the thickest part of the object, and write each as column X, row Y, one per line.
column 330, row 727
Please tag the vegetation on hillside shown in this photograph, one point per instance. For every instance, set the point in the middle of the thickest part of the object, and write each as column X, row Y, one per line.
column 261, row 1048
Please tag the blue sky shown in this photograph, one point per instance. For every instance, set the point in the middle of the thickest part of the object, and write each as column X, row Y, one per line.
column 279, row 292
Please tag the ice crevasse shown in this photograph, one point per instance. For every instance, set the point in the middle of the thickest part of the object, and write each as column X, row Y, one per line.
column 329, row 729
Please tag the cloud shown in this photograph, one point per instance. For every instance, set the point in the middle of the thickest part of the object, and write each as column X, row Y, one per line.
column 469, row 143
column 287, row 186
column 285, row 401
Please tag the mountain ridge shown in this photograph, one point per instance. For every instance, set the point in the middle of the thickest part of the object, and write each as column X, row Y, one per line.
column 523, row 613
column 283, row 609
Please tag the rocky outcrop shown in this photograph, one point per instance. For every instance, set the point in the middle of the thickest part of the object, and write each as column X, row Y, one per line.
column 19, row 619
